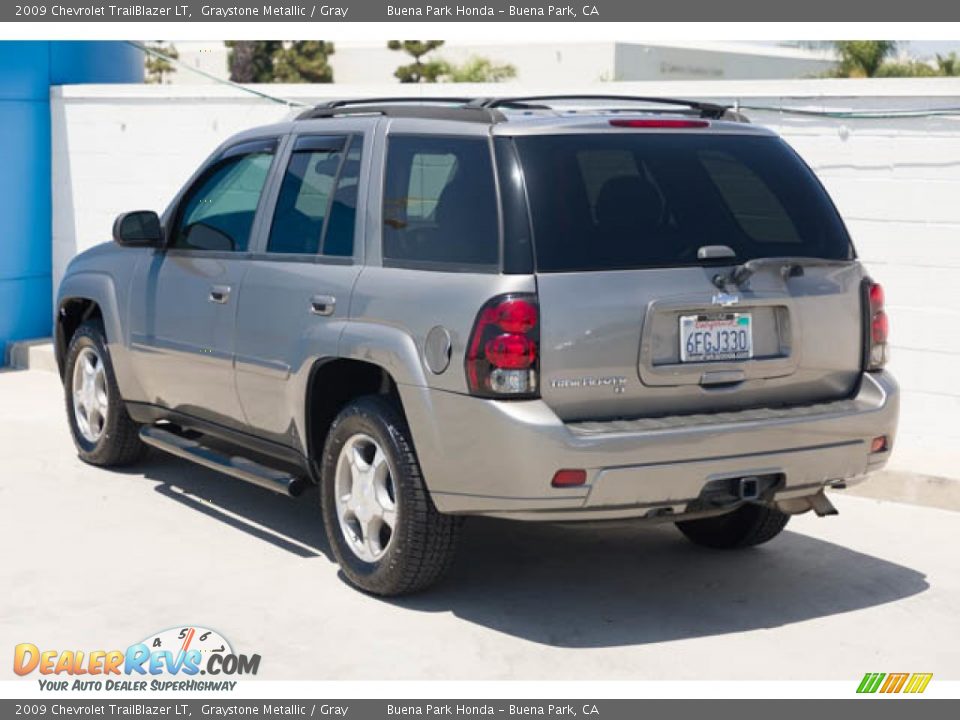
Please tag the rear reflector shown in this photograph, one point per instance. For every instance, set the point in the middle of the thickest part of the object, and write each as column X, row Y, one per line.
column 569, row 478
column 879, row 444
column 670, row 123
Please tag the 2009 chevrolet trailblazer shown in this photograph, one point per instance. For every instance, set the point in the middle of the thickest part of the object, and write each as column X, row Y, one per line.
column 544, row 308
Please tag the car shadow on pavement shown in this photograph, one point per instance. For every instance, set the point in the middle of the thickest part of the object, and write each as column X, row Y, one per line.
column 583, row 585
column 580, row 586
column 290, row 524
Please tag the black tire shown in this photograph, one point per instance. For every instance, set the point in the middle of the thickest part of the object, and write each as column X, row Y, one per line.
column 748, row 525
column 423, row 543
column 119, row 443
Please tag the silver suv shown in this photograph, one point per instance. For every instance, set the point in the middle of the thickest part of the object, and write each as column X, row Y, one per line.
column 543, row 308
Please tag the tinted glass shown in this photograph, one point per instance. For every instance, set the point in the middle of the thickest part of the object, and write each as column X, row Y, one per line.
column 304, row 202
column 338, row 240
column 617, row 200
column 440, row 202
column 219, row 210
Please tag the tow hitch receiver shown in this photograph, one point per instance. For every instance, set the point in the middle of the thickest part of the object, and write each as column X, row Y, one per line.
column 749, row 488
column 722, row 492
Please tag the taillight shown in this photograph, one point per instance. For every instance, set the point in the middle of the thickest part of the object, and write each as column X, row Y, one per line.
column 668, row 123
column 878, row 327
column 503, row 352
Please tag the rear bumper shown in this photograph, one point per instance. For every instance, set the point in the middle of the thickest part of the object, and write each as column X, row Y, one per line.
column 498, row 458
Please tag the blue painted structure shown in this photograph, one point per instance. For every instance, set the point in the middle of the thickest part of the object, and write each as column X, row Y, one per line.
column 27, row 70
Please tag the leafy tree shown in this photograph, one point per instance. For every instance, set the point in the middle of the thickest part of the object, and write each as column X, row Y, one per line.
column 251, row 61
column 862, row 58
column 912, row 68
column 303, row 61
column 478, row 70
column 948, row 64
column 269, row 61
column 419, row 71
column 159, row 68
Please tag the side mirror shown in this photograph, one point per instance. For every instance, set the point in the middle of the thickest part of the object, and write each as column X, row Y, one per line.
column 140, row 228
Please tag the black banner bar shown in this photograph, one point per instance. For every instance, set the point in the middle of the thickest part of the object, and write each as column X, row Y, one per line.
column 484, row 11
column 853, row 709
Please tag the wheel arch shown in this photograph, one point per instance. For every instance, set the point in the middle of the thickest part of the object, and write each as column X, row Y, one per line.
column 332, row 384
column 83, row 295
column 72, row 312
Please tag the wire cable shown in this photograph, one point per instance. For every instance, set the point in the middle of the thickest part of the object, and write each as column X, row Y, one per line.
column 229, row 83
column 857, row 114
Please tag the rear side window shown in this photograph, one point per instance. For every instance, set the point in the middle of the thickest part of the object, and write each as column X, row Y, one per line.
column 317, row 205
column 440, row 202
column 631, row 200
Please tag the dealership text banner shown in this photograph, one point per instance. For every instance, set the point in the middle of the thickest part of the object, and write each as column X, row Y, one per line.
column 490, row 11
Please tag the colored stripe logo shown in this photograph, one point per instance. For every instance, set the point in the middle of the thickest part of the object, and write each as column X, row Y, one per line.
column 888, row 683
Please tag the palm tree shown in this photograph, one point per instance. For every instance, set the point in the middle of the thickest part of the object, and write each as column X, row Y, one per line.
column 948, row 64
column 863, row 58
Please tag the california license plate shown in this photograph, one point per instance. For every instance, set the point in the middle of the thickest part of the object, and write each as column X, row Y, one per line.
column 716, row 337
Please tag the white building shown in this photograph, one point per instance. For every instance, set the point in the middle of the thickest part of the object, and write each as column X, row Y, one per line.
column 554, row 64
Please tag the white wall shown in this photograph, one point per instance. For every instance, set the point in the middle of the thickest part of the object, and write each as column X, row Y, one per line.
column 896, row 182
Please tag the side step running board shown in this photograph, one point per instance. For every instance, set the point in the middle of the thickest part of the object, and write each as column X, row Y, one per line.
column 238, row 467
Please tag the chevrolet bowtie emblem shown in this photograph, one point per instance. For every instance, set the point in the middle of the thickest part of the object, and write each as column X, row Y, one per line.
column 725, row 299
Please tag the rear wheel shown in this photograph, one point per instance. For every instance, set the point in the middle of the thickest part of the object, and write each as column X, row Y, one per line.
column 382, row 525
column 746, row 526
column 102, row 430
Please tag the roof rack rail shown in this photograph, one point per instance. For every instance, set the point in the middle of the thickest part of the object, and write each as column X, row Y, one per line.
column 345, row 102
column 453, row 108
column 708, row 110
column 488, row 109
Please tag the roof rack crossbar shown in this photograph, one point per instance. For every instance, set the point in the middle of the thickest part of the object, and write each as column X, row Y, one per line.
column 707, row 110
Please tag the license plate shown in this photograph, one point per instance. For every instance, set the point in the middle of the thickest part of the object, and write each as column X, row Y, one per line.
column 716, row 337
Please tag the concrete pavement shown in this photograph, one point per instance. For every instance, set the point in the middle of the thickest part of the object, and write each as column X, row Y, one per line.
column 99, row 559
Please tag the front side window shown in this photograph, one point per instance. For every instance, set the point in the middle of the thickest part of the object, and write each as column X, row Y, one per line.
column 440, row 202
column 218, row 212
column 317, row 206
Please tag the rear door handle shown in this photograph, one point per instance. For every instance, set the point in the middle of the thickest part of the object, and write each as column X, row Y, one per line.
column 323, row 304
column 219, row 294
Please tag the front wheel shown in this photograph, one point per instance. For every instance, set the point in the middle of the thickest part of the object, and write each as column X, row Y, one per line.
column 748, row 525
column 382, row 525
column 102, row 430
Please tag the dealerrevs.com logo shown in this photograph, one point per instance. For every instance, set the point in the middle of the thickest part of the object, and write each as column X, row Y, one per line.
column 173, row 659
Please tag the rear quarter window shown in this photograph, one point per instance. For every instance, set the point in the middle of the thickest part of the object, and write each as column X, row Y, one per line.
column 440, row 203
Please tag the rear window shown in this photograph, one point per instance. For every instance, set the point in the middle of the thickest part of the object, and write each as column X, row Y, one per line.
column 621, row 201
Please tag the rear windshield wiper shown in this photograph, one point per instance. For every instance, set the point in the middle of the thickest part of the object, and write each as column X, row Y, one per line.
column 788, row 267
